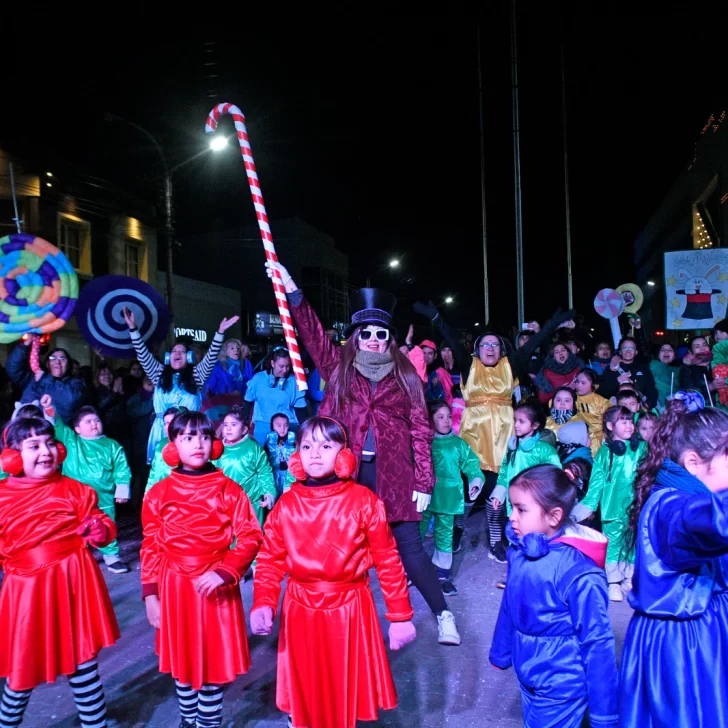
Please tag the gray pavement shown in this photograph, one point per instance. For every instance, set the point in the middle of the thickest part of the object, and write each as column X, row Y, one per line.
column 438, row 686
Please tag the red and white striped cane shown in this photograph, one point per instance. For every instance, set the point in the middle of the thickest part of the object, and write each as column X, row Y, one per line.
column 270, row 252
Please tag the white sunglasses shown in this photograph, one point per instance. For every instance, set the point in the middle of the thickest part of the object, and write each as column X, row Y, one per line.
column 381, row 334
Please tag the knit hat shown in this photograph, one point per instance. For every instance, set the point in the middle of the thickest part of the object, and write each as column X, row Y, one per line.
column 574, row 433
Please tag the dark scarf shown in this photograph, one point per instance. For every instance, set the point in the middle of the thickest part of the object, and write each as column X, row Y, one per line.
column 373, row 365
column 573, row 362
column 561, row 417
column 672, row 475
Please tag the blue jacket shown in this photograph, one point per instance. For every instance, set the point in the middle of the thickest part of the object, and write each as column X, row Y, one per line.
column 278, row 456
column 69, row 393
column 675, row 653
column 554, row 629
column 222, row 381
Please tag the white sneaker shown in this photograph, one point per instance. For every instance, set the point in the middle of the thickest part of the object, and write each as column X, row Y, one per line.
column 626, row 586
column 447, row 631
column 615, row 593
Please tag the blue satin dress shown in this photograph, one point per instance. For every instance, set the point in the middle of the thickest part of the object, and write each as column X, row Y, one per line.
column 554, row 629
column 674, row 670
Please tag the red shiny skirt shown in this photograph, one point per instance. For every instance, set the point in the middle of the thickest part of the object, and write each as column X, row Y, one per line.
column 201, row 640
column 332, row 663
column 55, row 614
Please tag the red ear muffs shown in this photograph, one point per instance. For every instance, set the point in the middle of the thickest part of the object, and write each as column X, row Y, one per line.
column 62, row 453
column 170, row 455
column 345, row 465
column 217, row 449
column 11, row 461
column 295, row 466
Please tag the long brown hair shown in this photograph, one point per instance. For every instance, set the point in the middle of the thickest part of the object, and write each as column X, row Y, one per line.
column 677, row 431
column 341, row 381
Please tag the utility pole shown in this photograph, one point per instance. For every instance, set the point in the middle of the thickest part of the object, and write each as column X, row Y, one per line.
column 517, row 164
column 486, row 291
column 566, row 183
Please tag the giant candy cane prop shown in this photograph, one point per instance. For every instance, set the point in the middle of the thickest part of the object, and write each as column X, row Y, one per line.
column 270, row 252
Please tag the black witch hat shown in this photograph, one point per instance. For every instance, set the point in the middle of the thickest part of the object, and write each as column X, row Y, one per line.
column 370, row 306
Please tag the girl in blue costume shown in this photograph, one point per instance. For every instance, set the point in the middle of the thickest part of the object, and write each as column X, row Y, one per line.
column 178, row 382
column 553, row 625
column 675, row 654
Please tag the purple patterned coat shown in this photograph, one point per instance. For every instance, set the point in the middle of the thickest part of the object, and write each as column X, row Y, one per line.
column 402, row 431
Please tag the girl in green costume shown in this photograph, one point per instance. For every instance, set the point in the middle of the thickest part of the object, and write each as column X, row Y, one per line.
column 452, row 458
column 160, row 470
column 612, row 487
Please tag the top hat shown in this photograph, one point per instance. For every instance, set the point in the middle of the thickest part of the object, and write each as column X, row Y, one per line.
column 370, row 306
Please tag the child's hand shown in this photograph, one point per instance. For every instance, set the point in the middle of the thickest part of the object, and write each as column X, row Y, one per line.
column 46, row 401
column 207, row 583
column 401, row 634
column 496, row 503
column 93, row 531
column 267, row 501
column 261, row 620
column 475, row 487
column 153, row 612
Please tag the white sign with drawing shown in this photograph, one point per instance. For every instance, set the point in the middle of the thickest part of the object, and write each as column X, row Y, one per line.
column 696, row 285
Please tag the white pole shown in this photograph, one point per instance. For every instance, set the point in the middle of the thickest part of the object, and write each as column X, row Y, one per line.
column 486, row 292
column 566, row 184
column 517, row 165
column 707, row 389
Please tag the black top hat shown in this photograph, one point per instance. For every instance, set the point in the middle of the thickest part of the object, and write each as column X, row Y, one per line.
column 370, row 306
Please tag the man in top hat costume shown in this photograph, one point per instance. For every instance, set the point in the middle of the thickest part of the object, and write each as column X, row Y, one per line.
column 375, row 392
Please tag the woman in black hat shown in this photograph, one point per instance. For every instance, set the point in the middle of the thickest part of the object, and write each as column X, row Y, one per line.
column 374, row 390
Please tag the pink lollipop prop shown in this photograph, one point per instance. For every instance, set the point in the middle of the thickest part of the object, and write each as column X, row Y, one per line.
column 609, row 304
column 270, row 252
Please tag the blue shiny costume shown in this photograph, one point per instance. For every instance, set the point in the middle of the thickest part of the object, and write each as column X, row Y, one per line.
column 554, row 629
column 675, row 655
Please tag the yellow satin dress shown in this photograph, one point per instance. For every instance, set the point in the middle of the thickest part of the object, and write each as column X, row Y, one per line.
column 487, row 421
column 592, row 408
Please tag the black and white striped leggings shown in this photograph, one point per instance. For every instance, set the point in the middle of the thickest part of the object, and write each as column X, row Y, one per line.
column 88, row 694
column 201, row 708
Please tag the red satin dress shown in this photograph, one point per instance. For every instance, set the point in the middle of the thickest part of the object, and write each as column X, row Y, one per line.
column 194, row 524
column 55, row 610
column 332, row 663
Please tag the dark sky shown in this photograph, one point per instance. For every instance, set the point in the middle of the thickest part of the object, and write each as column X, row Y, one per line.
column 369, row 130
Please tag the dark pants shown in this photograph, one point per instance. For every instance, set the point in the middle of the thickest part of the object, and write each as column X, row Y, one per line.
column 417, row 563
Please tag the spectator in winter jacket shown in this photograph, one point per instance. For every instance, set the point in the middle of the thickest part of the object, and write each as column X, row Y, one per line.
column 110, row 403
column 666, row 372
column 559, row 370
column 626, row 367
column 602, row 358
column 696, row 372
column 69, row 393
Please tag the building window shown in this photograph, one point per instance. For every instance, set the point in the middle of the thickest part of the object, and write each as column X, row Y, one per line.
column 132, row 258
column 74, row 240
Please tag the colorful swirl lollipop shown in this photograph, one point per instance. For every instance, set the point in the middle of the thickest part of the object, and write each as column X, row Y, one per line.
column 38, row 287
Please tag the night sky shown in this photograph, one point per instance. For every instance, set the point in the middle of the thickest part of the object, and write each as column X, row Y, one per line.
column 369, row 130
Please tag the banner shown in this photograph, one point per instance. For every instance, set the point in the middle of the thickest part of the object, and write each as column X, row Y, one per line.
column 696, row 286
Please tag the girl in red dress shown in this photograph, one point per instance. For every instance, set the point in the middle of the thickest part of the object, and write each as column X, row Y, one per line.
column 55, row 610
column 325, row 533
column 200, row 537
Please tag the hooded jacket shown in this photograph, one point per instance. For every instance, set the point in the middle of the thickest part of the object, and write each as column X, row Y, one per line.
column 554, row 629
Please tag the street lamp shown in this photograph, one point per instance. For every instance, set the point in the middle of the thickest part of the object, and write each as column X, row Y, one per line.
column 449, row 299
column 650, row 283
column 394, row 263
column 218, row 143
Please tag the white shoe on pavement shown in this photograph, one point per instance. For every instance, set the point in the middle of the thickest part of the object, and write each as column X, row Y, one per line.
column 447, row 631
column 615, row 593
column 626, row 586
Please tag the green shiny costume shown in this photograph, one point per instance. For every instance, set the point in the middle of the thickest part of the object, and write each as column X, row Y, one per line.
column 522, row 454
column 100, row 463
column 159, row 469
column 247, row 464
column 612, row 487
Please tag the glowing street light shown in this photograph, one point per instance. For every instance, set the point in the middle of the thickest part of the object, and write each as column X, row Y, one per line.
column 218, row 143
column 394, row 263
column 449, row 299
column 650, row 283
column 476, row 323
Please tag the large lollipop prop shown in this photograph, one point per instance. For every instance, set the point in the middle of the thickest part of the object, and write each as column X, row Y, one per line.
column 609, row 304
column 270, row 252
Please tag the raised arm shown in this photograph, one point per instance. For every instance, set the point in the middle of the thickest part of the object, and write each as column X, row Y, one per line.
column 460, row 353
column 521, row 356
column 152, row 368
column 205, row 367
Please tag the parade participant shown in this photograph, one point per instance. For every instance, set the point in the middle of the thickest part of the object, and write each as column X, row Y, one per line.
column 274, row 391
column 97, row 461
column 629, row 367
column 55, row 610
column 160, row 469
column 489, row 377
column 526, row 449
column 200, row 537
column 56, row 379
column 611, row 487
column 666, row 373
column 630, row 399
column 672, row 658
column 559, row 370
column 553, row 626
column 451, row 458
column 325, row 534
column 280, row 445
column 245, row 462
column 591, row 406
column 563, row 411
column 375, row 392
column 178, row 382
